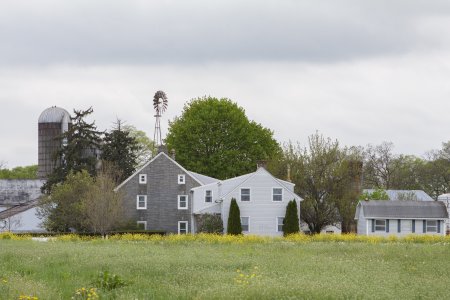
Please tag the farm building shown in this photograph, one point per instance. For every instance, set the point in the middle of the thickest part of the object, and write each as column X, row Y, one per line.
column 383, row 218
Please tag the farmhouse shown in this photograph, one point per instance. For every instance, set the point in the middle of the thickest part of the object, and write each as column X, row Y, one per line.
column 262, row 200
column 383, row 218
column 157, row 196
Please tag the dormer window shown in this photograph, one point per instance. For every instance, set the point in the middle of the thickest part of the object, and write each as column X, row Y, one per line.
column 142, row 178
column 181, row 179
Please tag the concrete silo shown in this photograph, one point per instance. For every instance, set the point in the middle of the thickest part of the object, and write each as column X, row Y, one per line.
column 52, row 123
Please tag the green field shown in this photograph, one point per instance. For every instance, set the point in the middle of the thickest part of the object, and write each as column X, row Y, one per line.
column 202, row 270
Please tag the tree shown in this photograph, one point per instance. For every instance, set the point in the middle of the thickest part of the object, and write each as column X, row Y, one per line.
column 62, row 210
column 121, row 150
column 378, row 166
column 291, row 222
column 102, row 206
column 214, row 137
column 234, row 219
column 27, row 172
column 146, row 147
column 80, row 145
column 378, row 194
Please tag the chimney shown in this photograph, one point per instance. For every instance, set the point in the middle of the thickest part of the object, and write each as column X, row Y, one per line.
column 172, row 154
column 261, row 164
column 288, row 173
column 162, row 148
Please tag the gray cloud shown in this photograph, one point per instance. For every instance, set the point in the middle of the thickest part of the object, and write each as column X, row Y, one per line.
column 154, row 32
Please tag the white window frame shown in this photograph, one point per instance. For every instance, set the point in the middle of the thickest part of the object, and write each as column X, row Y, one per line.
column 380, row 226
column 179, row 202
column 209, row 196
column 273, row 194
column 145, row 202
column 142, row 222
column 187, row 227
column 181, row 179
column 248, row 230
column 249, row 194
column 142, row 178
column 278, row 224
column 429, row 228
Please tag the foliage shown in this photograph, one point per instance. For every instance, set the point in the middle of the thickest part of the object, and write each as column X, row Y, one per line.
column 27, row 172
column 291, row 221
column 209, row 223
column 63, row 210
column 214, row 137
column 377, row 194
column 107, row 281
column 80, row 145
column 207, row 270
column 102, row 206
column 119, row 148
column 234, row 219
column 85, row 294
column 146, row 147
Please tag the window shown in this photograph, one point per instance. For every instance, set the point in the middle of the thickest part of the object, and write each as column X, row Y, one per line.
column 380, row 225
column 181, row 179
column 142, row 225
column 182, row 227
column 182, row 202
column 142, row 178
column 208, row 196
column 141, row 202
column 280, row 222
column 432, row 226
column 245, row 194
column 245, row 224
column 277, row 194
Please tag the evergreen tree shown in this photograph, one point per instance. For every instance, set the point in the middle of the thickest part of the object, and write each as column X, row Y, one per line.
column 121, row 150
column 234, row 219
column 80, row 145
column 291, row 222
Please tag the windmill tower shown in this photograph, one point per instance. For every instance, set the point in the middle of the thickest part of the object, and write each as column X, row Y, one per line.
column 160, row 105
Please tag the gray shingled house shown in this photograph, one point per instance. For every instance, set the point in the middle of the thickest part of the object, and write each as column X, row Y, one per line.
column 157, row 196
column 383, row 218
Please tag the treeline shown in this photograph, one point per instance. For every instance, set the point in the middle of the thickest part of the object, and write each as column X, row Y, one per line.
column 28, row 172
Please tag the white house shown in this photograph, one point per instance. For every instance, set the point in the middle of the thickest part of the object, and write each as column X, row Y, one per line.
column 262, row 200
column 383, row 218
column 445, row 198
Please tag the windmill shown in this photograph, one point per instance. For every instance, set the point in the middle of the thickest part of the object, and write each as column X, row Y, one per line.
column 160, row 105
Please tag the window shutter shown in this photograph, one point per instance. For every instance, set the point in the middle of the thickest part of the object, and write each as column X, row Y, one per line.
column 424, row 226
column 373, row 225
column 413, row 226
column 387, row 225
column 399, row 225
column 439, row 226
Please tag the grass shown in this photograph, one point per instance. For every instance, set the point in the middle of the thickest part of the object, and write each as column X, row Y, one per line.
column 217, row 268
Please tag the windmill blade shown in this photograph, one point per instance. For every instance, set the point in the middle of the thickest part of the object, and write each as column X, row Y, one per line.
column 160, row 101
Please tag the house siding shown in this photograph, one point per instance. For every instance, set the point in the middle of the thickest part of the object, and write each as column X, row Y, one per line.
column 406, row 227
column 162, row 190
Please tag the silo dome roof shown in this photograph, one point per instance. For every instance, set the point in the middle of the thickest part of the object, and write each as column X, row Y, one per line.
column 54, row 115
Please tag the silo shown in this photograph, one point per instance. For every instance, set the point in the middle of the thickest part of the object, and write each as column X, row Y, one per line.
column 52, row 123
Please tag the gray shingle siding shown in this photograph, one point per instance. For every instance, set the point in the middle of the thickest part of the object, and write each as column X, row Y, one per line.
column 162, row 190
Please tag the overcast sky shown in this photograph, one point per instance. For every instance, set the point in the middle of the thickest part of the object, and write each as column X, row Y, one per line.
column 358, row 71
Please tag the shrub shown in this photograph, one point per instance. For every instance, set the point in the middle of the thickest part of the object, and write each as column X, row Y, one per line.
column 108, row 282
column 291, row 222
column 210, row 223
column 234, row 219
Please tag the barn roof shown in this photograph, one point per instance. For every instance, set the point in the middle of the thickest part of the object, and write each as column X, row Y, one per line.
column 54, row 115
column 402, row 209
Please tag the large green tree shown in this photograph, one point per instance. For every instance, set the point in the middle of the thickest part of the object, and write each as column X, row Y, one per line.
column 79, row 151
column 120, row 149
column 146, row 147
column 214, row 137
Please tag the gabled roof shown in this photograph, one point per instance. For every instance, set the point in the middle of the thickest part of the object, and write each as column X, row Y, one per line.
column 395, row 195
column 199, row 178
column 402, row 209
column 230, row 185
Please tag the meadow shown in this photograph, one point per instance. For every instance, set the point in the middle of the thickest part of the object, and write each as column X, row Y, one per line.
column 216, row 267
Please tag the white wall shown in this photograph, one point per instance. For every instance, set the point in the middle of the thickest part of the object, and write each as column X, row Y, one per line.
column 26, row 221
column 405, row 228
